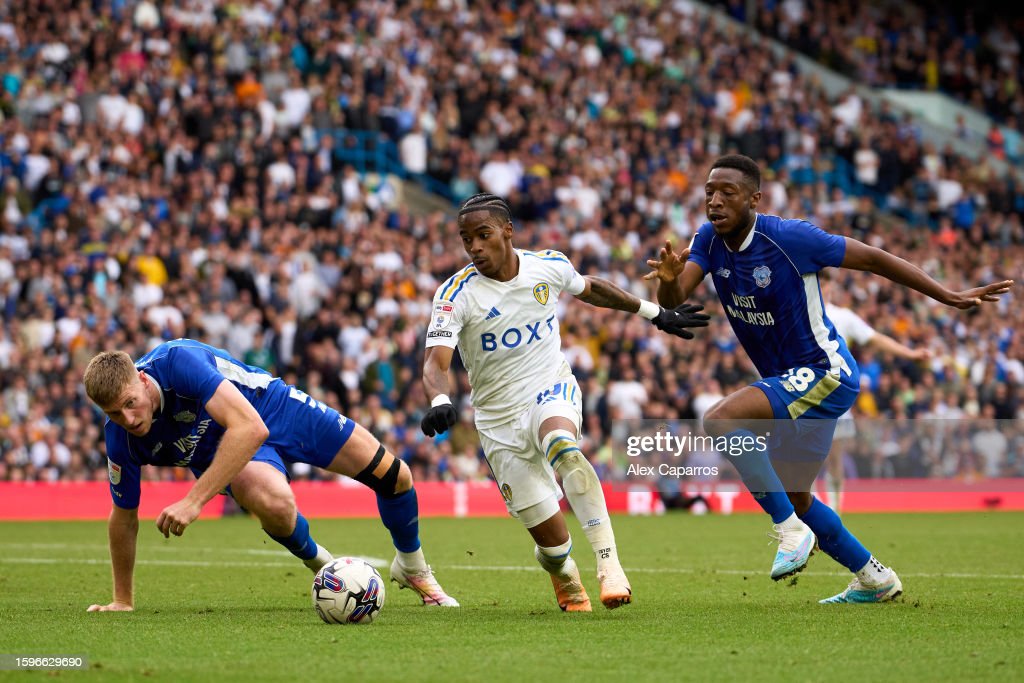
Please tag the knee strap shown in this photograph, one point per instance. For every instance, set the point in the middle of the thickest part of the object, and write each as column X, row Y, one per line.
column 557, row 444
column 384, row 486
column 565, row 456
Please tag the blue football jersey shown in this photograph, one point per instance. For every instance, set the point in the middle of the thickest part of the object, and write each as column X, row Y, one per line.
column 771, row 295
column 183, row 434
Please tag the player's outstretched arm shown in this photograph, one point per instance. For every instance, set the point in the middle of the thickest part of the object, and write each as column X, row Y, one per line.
column 244, row 433
column 887, row 344
column 860, row 256
column 673, row 290
column 122, row 532
column 442, row 414
column 600, row 292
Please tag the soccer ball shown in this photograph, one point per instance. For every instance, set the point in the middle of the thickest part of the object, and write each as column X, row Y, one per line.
column 347, row 590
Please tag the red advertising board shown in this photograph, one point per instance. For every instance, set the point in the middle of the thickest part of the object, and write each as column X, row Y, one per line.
column 91, row 500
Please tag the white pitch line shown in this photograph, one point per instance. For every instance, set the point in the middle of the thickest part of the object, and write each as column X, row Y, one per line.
column 375, row 561
column 492, row 568
column 173, row 563
column 160, row 548
column 740, row 572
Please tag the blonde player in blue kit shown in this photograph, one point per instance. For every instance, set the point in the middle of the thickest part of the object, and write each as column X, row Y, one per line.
column 501, row 313
column 187, row 404
column 765, row 271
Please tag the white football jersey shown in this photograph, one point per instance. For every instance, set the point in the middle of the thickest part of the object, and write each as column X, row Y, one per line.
column 849, row 325
column 506, row 332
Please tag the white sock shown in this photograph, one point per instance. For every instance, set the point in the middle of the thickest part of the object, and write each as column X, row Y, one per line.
column 322, row 557
column 555, row 560
column 586, row 497
column 833, row 491
column 414, row 561
column 791, row 523
column 874, row 572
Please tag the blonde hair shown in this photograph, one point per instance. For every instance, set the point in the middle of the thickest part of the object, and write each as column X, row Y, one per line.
column 107, row 375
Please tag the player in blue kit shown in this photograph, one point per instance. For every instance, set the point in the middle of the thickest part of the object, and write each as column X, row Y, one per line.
column 765, row 271
column 186, row 404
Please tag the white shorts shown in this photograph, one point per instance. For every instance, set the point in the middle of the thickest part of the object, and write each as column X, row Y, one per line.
column 846, row 428
column 514, row 452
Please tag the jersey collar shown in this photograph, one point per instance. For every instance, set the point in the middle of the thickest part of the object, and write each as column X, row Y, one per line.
column 158, row 388
column 750, row 235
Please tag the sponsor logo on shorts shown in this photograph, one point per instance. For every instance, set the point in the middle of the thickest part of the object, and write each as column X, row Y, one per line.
column 115, row 473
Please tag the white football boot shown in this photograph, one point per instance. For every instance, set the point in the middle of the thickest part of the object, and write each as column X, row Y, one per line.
column 796, row 545
column 423, row 583
column 860, row 591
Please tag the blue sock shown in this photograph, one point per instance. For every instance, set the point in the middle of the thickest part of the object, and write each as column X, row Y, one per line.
column 759, row 477
column 299, row 543
column 401, row 516
column 834, row 538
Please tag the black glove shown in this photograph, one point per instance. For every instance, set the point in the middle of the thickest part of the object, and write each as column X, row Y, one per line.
column 676, row 320
column 439, row 418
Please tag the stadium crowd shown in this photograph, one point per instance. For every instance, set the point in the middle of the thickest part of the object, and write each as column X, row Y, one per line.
column 966, row 53
column 178, row 170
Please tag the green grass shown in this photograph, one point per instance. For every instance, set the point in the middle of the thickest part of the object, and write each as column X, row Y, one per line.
column 222, row 603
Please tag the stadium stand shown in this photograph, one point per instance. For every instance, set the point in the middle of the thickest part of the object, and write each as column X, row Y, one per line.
column 232, row 173
column 955, row 48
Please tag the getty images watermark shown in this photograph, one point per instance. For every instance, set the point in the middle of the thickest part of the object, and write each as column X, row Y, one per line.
column 878, row 454
column 686, row 449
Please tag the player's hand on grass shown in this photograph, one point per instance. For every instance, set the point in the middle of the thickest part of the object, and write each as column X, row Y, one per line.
column 438, row 419
column 669, row 265
column 177, row 516
column 676, row 320
column 975, row 297
column 112, row 607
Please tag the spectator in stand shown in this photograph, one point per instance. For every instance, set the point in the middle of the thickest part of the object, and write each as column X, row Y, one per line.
column 202, row 179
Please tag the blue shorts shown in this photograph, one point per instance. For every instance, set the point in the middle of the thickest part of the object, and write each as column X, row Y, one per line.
column 806, row 403
column 302, row 429
column 264, row 454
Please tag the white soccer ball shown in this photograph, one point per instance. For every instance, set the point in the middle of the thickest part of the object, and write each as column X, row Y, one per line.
column 347, row 590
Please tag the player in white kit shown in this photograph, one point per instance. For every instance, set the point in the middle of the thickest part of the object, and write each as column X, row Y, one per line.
column 501, row 313
column 857, row 333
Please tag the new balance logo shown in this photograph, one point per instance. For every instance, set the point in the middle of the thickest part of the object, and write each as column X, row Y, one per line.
column 723, row 272
column 494, row 313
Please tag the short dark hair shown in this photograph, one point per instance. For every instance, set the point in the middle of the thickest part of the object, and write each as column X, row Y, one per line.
column 491, row 203
column 743, row 164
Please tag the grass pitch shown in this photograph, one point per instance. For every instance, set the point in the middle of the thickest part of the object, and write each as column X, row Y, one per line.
column 224, row 603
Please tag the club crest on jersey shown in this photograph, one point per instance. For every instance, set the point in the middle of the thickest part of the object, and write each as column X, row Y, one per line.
column 506, row 493
column 185, row 416
column 115, row 473
column 442, row 315
column 762, row 276
column 541, row 292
